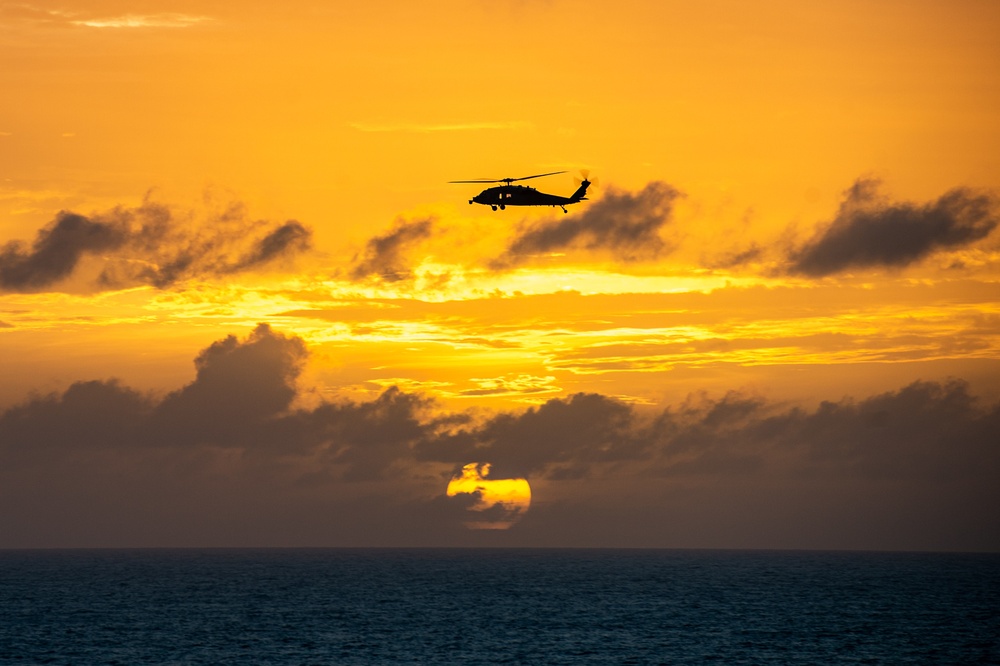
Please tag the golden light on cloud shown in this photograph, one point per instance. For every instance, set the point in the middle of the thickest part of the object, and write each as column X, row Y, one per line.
column 143, row 21
column 501, row 502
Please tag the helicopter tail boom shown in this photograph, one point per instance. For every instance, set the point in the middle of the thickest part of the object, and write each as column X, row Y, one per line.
column 581, row 192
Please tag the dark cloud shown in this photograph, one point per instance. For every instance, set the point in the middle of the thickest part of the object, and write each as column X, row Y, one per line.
column 736, row 258
column 871, row 232
column 385, row 255
column 88, row 415
column 560, row 438
column 370, row 440
column 919, row 429
column 151, row 244
column 235, row 457
column 624, row 224
column 56, row 251
column 241, row 387
column 288, row 239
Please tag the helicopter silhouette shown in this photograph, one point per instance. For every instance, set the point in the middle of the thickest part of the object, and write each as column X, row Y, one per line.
column 522, row 195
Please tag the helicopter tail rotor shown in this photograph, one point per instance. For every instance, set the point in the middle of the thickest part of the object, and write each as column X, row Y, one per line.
column 583, row 182
column 584, row 177
column 582, row 185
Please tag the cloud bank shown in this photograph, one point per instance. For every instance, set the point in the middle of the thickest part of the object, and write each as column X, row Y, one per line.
column 385, row 256
column 148, row 245
column 625, row 224
column 871, row 232
column 236, row 458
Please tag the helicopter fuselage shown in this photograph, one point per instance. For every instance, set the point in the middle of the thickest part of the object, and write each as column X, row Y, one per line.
column 522, row 195
column 509, row 194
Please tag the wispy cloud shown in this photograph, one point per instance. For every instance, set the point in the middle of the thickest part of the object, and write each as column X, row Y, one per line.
column 625, row 224
column 166, row 20
column 384, row 255
column 871, row 232
column 511, row 385
column 149, row 245
column 439, row 127
column 59, row 17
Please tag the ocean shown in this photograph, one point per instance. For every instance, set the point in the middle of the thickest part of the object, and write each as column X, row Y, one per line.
column 497, row 606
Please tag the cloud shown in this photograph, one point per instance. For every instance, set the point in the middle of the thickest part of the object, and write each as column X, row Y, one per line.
column 239, row 388
column 235, row 457
column 625, row 224
column 148, row 245
column 288, row 239
column 163, row 20
column 89, row 415
column 872, row 232
column 385, row 255
column 562, row 437
column 56, row 251
column 511, row 385
column 736, row 258
column 56, row 17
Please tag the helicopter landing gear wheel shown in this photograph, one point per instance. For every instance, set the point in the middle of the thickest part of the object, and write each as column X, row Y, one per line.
column 493, row 207
column 502, row 207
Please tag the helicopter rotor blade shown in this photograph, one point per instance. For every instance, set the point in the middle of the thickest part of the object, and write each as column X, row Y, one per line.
column 505, row 180
column 536, row 176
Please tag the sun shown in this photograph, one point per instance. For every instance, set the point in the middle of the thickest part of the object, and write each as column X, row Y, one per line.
column 501, row 502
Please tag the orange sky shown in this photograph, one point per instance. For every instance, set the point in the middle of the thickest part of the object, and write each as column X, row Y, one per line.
column 795, row 202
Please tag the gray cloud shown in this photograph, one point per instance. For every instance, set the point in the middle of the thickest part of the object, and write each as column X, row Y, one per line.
column 287, row 239
column 385, row 255
column 625, row 224
column 240, row 389
column 871, row 232
column 56, row 251
column 235, row 458
column 918, row 430
column 561, row 438
column 736, row 258
column 151, row 244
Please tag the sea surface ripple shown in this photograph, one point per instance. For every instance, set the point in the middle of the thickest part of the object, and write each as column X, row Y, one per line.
column 485, row 606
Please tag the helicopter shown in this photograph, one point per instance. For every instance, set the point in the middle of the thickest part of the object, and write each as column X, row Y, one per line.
column 522, row 195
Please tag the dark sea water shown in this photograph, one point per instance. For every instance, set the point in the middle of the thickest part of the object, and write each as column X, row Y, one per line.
column 497, row 606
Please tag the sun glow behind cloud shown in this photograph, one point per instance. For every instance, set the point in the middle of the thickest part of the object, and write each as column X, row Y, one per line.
column 504, row 501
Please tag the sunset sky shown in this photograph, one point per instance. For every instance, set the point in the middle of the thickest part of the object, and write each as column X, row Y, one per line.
column 241, row 304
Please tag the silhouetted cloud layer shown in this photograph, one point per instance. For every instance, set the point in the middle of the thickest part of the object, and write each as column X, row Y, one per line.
column 924, row 430
column 385, row 255
column 150, row 245
column 871, row 232
column 625, row 224
column 235, row 458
